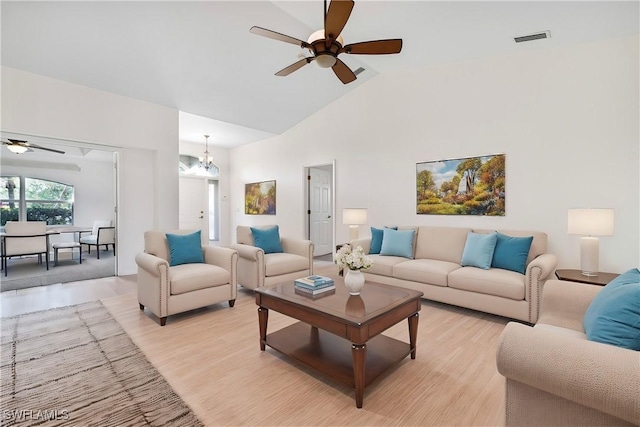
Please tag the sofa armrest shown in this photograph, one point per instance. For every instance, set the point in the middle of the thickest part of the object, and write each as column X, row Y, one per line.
column 542, row 266
column 226, row 258
column 248, row 252
column 538, row 271
column 565, row 303
column 152, row 264
column 153, row 283
column 595, row 375
column 365, row 243
column 251, row 267
column 300, row 247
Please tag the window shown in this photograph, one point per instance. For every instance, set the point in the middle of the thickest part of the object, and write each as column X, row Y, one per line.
column 213, row 210
column 9, row 199
column 33, row 199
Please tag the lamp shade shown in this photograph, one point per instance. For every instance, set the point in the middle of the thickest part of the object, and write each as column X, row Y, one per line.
column 591, row 222
column 354, row 216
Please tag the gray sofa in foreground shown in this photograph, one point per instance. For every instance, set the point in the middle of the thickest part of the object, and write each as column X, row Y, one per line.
column 436, row 271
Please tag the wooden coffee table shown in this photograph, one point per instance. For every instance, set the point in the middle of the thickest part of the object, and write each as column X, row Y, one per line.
column 339, row 335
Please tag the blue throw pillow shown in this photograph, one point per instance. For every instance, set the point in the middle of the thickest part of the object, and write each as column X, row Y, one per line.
column 511, row 253
column 185, row 248
column 613, row 317
column 267, row 239
column 478, row 250
column 376, row 239
column 397, row 243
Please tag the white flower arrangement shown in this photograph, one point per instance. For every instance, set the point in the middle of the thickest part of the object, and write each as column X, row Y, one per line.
column 353, row 259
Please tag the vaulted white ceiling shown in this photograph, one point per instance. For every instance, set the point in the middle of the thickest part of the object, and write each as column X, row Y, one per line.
column 200, row 58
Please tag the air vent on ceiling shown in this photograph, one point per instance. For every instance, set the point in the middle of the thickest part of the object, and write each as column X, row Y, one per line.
column 358, row 71
column 530, row 37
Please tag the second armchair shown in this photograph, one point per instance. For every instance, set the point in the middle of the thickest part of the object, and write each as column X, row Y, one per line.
column 257, row 267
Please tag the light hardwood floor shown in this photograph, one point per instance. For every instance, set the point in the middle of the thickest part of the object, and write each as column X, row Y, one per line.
column 211, row 358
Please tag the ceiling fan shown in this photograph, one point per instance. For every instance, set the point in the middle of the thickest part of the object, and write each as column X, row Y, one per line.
column 327, row 44
column 17, row 146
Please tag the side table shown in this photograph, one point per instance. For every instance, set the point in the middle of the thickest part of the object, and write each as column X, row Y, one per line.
column 575, row 276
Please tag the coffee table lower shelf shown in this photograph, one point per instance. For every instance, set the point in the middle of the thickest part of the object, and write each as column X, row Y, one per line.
column 332, row 355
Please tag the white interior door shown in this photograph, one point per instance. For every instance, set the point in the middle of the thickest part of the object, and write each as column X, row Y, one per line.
column 320, row 205
column 193, row 207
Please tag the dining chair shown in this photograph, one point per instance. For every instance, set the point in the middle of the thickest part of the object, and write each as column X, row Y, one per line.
column 24, row 238
column 102, row 234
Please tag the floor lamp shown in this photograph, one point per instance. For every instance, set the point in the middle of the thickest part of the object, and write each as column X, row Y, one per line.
column 589, row 223
column 354, row 217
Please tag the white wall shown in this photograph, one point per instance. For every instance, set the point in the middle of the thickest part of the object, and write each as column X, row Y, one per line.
column 221, row 160
column 567, row 120
column 145, row 134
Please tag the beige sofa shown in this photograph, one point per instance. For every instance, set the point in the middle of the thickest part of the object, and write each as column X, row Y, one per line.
column 555, row 376
column 436, row 271
column 255, row 268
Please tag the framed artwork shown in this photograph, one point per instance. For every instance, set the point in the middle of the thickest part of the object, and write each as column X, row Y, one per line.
column 260, row 198
column 467, row 186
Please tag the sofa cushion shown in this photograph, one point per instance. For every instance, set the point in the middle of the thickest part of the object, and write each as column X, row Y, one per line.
column 283, row 263
column 613, row 317
column 511, row 253
column 478, row 250
column 397, row 243
column 185, row 248
column 192, row 277
column 538, row 245
column 441, row 243
column 267, row 239
column 383, row 265
column 428, row 271
column 495, row 281
column 376, row 239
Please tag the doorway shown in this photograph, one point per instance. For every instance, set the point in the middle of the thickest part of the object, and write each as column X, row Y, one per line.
column 199, row 207
column 320, row 215
column 89, row 173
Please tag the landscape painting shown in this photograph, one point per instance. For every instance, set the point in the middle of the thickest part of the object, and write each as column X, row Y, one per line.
column 260, row 198
column 468, row 186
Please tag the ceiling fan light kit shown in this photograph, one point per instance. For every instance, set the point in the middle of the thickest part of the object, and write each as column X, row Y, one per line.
column 18, row 147
column 325, row 45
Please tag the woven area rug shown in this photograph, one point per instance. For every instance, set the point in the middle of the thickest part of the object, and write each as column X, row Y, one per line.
column 76, row 366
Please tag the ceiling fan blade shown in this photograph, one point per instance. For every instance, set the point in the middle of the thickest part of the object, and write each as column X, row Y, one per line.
column 343, row 72
column 278, row 36
column 39, row 147
column 374, row 47
column 337, row 17
column 295, row 66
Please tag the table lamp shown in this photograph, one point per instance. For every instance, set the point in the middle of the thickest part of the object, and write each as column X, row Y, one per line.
column 354, row 217
column 589, row 223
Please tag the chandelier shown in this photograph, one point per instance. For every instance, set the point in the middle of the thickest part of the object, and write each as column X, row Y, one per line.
column 206, row 162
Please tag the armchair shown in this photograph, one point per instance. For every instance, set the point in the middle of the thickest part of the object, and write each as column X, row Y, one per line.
column 25, row 238
column 255, row 268
column 102, row 234
column 555, row 376
column 166, row 290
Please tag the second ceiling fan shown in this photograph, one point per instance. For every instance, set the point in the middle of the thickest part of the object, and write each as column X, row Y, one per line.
column 326, row 45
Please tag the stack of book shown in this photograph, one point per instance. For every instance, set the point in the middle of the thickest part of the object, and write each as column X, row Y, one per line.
column 314, row 286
